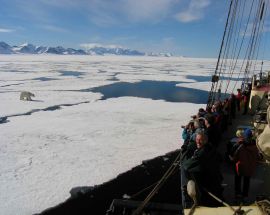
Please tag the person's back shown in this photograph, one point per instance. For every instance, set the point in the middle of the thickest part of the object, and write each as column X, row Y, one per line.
column 211, row 130
column 232, row 106
column 245, row 158
column 245, row 102
column 238, row 99
column 188, row 131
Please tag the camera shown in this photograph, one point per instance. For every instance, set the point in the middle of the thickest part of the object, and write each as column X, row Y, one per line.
column 193, row 116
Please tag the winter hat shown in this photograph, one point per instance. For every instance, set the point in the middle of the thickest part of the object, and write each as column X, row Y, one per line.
column 239, row 133
column 247, row 133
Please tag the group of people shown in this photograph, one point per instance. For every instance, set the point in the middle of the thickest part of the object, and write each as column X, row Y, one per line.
column 242, row 99
column 200, row 158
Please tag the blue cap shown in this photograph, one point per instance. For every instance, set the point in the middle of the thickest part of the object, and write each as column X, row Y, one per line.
column 247, row 133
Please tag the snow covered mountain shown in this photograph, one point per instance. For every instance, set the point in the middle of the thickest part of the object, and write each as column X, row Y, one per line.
column 161, row 54
column 25, row 48
column 112, row 50
column 28, row 48
column 5, row 48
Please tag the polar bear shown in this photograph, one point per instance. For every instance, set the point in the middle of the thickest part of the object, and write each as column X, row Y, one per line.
column 26, row 96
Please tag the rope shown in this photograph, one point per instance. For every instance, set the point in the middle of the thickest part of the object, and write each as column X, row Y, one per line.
column 262, row 19
column 144, row 189
column 227, row 50
column 159, row 184
column 263, row 54
column 192, row 209
column 232, row 46
column 240, row 48
column 264, row 206
column 253, row 43
column 237, row 211
column 211, row 93
column 249, row 47
column 219, row 200
column 230, row 51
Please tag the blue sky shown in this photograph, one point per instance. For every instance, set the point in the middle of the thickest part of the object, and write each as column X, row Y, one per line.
column 183, row 27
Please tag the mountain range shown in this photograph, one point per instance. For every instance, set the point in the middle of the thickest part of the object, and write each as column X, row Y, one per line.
column 27, row 48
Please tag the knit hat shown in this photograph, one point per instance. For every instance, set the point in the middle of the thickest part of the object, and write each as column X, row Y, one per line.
column 239, row 133
column 247, row 133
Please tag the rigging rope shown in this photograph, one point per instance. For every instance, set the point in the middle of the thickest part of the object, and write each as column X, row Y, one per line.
column 236, row 39
column 262, row 19
column 239, row 51
column 227, row 51
column 159, row 184
column 254, row 40
column 251, row 44
column 245, row 57
column 233, row 46
column 211, row 93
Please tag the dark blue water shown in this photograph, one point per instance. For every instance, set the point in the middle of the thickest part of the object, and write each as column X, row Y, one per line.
column 207, row 78
column 44, row 79
column 71, row 73
column 101, row 71
column 199, row 78
column 156, row 90
column 113, row 79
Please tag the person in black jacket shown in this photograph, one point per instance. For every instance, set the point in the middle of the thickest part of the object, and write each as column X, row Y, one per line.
column 204, row 168
column 211, row 130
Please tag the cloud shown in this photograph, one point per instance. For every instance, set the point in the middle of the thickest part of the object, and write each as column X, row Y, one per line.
column 54, row 28
column 124, row 39
column 99, row 12
column 247, row 29
column 167, row 44
column 266, row 28
column 195, row 11
column 32, row 11
column 147, row 10
column 6, row 30
column 103, row 12
column 93, row 45
column 62, row 3
column 168, row 39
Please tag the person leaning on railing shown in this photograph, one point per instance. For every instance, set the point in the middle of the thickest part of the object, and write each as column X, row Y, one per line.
column 204, row 168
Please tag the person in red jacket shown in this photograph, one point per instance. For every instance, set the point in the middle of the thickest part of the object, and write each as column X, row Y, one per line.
column 245, row 157
column 245, row 98
column 238, row 99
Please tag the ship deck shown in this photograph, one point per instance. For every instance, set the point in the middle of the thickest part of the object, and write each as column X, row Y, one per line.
column 259, row 183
